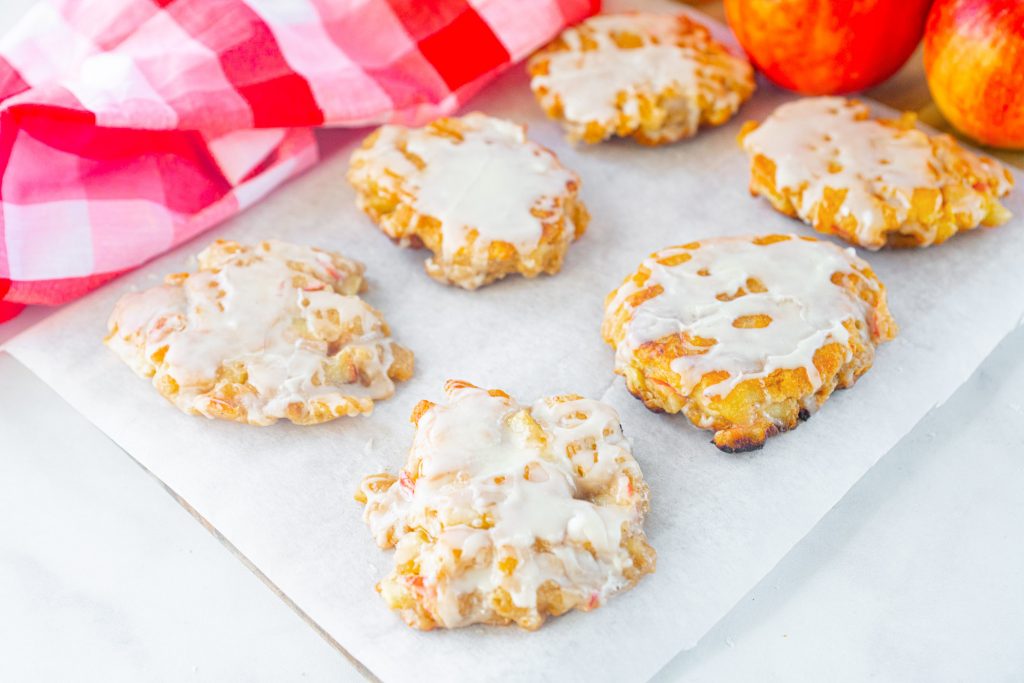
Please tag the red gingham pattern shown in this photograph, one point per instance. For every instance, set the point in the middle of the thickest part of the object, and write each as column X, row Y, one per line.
column 129, row 126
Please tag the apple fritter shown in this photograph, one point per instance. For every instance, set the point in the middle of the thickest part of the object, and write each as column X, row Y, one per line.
column 746, row 336
column 872, row 182
column 507, row 513
column 261, row 333
column 474, row 191
column 655, row 78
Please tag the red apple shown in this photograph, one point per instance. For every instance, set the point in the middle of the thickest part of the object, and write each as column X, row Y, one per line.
column 974, row 58
column 820, row 47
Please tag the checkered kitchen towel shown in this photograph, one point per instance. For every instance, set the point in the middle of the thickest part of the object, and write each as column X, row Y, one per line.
column 129, row 126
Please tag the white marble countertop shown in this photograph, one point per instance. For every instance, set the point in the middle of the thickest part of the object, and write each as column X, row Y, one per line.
column 915, row 576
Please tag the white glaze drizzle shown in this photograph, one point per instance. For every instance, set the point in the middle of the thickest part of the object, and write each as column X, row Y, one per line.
column 595, row 85
column 880, row 165
column 806, row 308
column 250, row 306
column 491, row 181
column 473, row 457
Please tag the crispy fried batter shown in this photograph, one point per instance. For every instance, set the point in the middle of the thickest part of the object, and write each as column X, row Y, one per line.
column 874, row 183
column 507, row 514
column 473, row 190
column 746, row 336
column 655, row 78
column 261, row 333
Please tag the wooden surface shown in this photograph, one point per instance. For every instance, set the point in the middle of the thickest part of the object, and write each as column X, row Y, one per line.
column 907, row 89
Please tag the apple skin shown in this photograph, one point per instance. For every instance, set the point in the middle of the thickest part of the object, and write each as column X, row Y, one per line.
column 974, row 59
column 825, row 47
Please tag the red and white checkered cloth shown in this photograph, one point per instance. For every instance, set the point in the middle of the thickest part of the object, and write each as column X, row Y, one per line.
column 129, row 126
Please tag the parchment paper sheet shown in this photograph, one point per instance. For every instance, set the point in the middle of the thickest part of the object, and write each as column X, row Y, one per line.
column 282, row 495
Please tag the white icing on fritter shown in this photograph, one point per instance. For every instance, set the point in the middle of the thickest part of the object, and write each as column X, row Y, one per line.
column 280, row 311
column 493, row 181
column 553, row 487
column 830, row 142
column 596, row 80
column 710, row 295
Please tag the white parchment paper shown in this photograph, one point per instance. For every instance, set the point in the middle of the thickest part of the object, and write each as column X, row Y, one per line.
column 282, row 495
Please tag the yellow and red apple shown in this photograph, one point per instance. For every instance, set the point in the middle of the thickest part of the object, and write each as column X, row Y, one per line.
column 974, row 58
column 819, row 47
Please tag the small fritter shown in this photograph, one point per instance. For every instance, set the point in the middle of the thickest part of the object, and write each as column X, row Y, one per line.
column 874, row 183
column 261, row 333
column 474, row 191
column 746, row 336
column 506, row 513
column 655, row 78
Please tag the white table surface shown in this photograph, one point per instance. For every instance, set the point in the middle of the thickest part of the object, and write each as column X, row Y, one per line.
column 917, row 575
